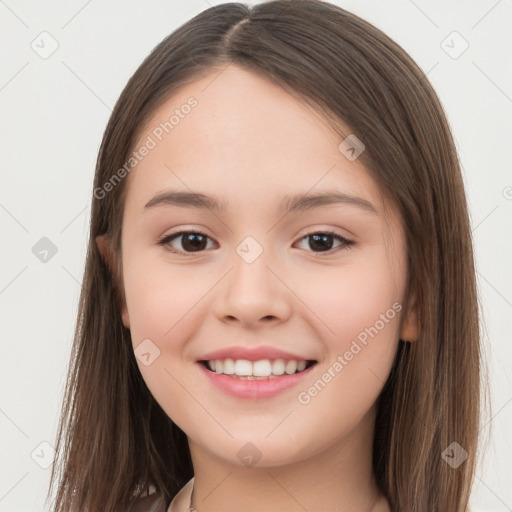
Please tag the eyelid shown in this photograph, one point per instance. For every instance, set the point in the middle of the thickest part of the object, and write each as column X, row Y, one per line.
column 165, row 241
column 346, row 242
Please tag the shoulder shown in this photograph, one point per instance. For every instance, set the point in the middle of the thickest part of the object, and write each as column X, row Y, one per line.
column 182, row 500
column 156, row 502
column 152, row 503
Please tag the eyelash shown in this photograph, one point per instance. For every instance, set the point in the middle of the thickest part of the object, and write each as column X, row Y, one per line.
column 169, row 238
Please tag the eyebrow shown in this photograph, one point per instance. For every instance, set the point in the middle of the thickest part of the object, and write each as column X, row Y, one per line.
column 290, row 203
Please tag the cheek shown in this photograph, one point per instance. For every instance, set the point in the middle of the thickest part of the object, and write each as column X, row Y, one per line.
column 348, row 301
column 163, row 308
column 160, row 300
column 358, row 309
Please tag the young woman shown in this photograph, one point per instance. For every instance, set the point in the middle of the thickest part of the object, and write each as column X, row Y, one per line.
column 279, row 309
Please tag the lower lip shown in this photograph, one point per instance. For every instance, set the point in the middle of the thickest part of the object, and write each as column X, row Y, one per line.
column 265, row 388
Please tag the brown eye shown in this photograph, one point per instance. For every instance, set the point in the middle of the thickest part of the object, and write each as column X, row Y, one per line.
column 190, row 241
column 323, row 242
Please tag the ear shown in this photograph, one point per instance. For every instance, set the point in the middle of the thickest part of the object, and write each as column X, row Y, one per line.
column 109, row 258
column 103, row 247
column 410, row 329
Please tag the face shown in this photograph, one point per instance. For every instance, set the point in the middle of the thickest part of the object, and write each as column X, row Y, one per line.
column 323, row 281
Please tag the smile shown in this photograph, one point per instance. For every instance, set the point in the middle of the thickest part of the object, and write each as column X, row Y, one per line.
column 264, row 368
column 265, row 378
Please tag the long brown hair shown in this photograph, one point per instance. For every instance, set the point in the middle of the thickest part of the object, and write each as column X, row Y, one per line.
column 114, row 440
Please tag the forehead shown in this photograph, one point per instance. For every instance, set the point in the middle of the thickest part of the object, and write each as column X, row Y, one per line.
column 245, row 140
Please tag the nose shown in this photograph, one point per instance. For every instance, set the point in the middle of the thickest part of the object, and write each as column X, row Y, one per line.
column 252, row 294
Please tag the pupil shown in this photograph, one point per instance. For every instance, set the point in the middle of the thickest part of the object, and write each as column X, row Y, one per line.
column 194, row 242
column 321, row 242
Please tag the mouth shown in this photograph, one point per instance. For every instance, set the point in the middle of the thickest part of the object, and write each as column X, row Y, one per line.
column 264, row 369
column 256, row 380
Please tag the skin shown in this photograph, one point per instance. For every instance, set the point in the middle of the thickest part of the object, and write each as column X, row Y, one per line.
column 250, row 143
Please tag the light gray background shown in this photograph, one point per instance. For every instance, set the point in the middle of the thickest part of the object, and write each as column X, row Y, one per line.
column 53, row 112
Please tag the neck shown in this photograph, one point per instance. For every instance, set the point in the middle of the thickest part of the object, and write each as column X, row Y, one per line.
column 340, row 479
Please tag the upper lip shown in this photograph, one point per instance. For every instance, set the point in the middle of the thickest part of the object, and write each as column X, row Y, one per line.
column 251, row 354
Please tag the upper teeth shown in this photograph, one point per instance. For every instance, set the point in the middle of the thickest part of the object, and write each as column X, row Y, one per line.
column 262, row 368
